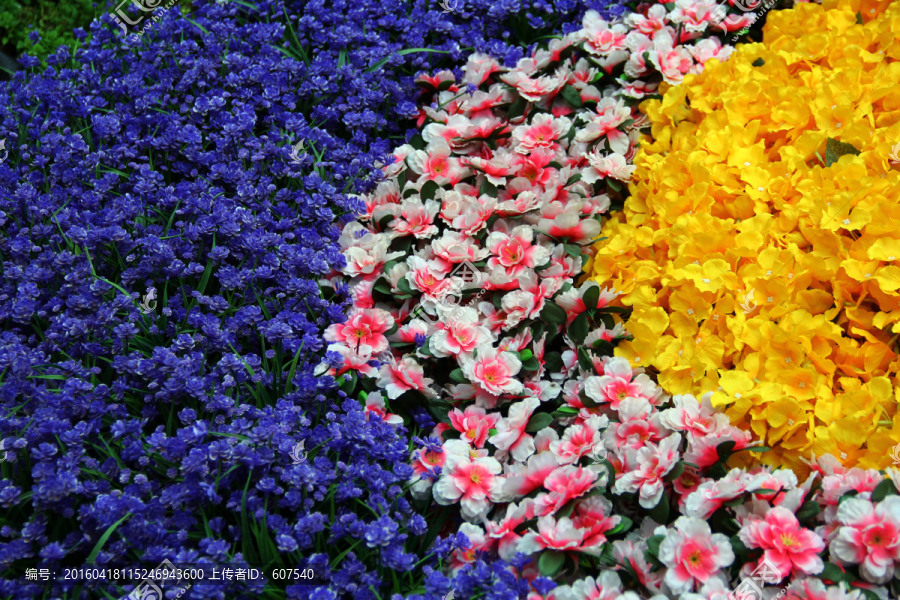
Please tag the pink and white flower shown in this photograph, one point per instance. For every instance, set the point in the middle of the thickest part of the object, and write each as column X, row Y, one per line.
column 511, row 436
column 495, row 372
column 788, row 547
column 475, row 483
column 402, row 376
column 473, row 423
column 869, row 536
column 693, row 554
column 363, row 331
column 647, row 469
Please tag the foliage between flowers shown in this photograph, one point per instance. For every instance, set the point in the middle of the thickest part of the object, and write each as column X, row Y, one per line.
column 463, row 270
column 160, row 427
column 768, row 269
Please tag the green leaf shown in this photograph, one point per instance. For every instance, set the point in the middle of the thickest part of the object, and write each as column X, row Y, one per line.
column 591, row 297
column 525, row 354
column 623, row 526
column 553, row 362
column 758, row 62
column 553, row 313
column 584, row 359
column 676, row 471
column 579, row 328
column 725, row 449
column 456, row 376
column 571, row 95
column 517, row 108
column 551, row 562
column 488, row 189
column 531, row 364
column 382, row 285
column 573, row 250
column 859, row 20
column 417, row 142
column 614, row 184
column 103, row 538
column 847, row 496
column 808, row 510
column 660, row 512
column 653, row 544
column 835, row 149
column 883, row 490
column 834, row 573
column 428, row 189
column 539, row 421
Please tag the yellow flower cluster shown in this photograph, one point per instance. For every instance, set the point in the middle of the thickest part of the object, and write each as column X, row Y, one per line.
column 759, row 248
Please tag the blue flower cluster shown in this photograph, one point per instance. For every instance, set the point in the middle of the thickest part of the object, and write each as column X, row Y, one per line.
column 162, row 235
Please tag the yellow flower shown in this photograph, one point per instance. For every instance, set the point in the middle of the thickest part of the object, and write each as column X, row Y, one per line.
column 760, row 246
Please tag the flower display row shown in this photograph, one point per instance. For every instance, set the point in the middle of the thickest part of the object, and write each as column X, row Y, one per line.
column 552, row 441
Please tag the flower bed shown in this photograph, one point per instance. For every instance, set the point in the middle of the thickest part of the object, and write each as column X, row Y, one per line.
column 767, row 270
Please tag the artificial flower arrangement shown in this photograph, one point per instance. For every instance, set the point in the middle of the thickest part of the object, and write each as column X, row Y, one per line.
column 465, row 273
column 768, row 270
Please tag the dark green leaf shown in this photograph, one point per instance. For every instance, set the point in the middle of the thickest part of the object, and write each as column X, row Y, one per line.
column 591, row 297
column 808, row 510
column 553, row 362
column 660, row 512
column 531, row 364
column 417, row 142
column 579, row 328
column 623, row 526
column 835, row 149
column 550, row 562
column 572, row 96
column 676, row 472
column 553, row 313
column 573, row 179
column 653, row 544
column 573, row 250
column 584, row 359
column 725, row 449
column 758, row 62
column 517, row 108
column 883, row 490
column 859, row 20
column 539, row 421
column 488, row 189
column 847, row 496
column 834, row 573
column 429, row 188
column 456, row 376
